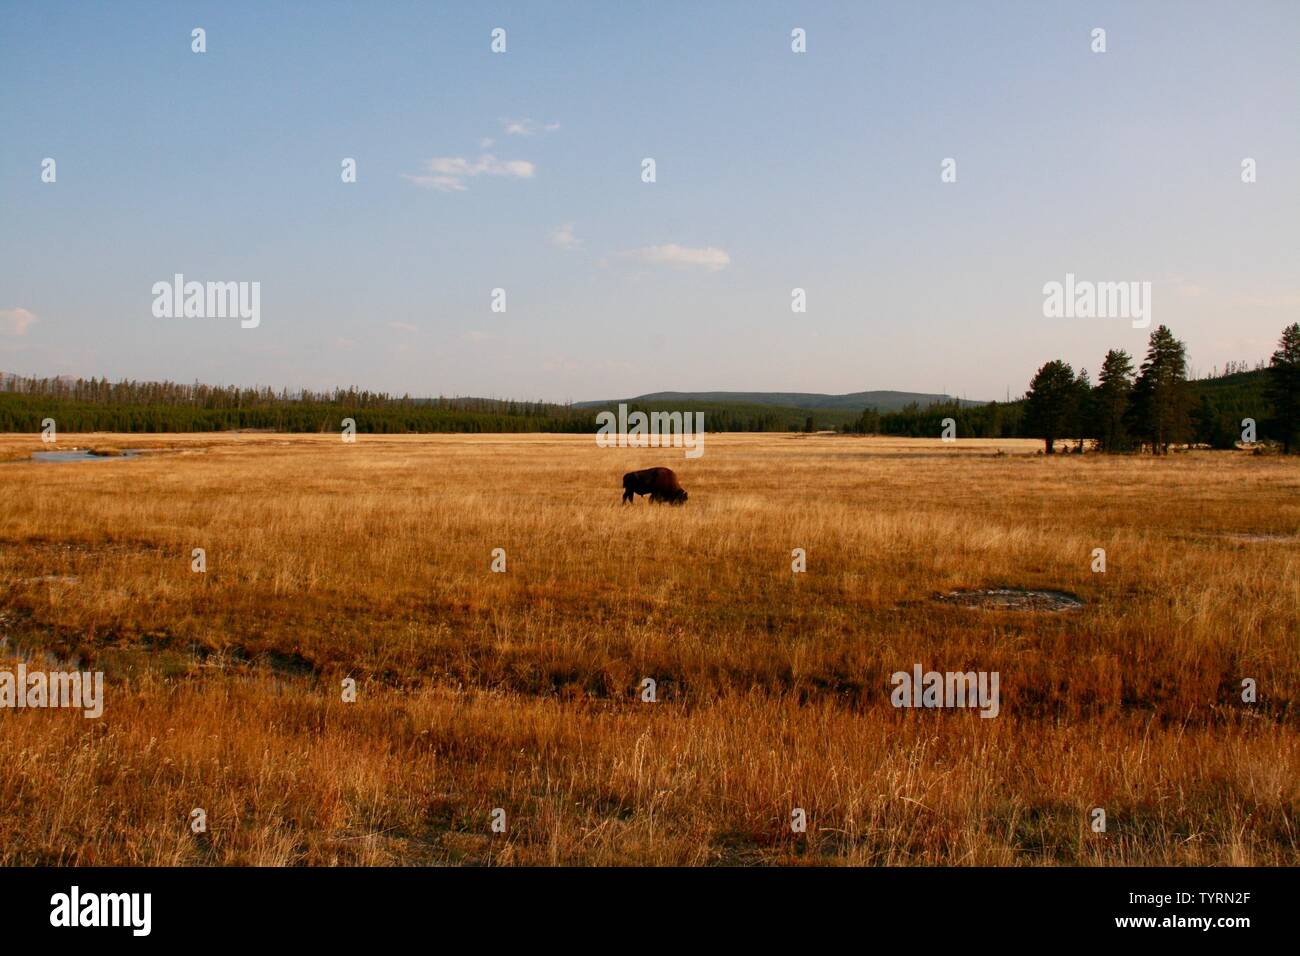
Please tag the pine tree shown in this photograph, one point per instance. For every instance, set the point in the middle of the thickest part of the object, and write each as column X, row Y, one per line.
column 1110, row 400
column 1083, row 413
column 1284, row 388
column 1211, row 426
column 1161, row 398
column 1050, row 403
column 868, row 422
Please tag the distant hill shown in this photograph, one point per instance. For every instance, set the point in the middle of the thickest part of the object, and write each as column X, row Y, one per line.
column 881, row 401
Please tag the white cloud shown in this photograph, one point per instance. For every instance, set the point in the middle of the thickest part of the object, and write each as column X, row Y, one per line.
column 527, row 127
column 16, row 321
column 402, row 327
column 448, row 173
column 709, row 257
column 564, row 237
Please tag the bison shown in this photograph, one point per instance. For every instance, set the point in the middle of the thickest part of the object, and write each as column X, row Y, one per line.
column 659, row 483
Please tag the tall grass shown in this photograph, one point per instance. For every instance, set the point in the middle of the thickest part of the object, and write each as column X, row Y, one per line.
column 519, row 690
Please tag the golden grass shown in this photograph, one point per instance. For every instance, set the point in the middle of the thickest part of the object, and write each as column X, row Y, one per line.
column 519, row 690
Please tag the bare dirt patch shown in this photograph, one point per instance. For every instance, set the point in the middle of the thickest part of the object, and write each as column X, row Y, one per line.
column 1012, row 599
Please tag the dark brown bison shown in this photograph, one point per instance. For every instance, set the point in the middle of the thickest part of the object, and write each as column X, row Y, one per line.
column 659, row 483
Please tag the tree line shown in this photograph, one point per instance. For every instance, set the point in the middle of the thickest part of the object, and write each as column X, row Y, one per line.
column 84, row 405
column 1153, row 408
column 992, row 420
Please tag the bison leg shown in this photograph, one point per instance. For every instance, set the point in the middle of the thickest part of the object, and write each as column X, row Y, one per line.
column 627, row 496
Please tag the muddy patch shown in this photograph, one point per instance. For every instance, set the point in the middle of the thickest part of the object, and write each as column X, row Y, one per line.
column 85, row 454
column 1012, row 599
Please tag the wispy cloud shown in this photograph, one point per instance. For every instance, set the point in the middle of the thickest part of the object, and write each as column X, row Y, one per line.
column 565, row 238
column 527, row 127
column 710, row 258
column 1285, row 300
column 449, row 173
column 402, row 327
column 16, row 321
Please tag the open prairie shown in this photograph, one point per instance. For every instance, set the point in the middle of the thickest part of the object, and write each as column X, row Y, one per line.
column 523, row 689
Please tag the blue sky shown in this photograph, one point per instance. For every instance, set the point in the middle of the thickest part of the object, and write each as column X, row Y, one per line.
column 521, row 171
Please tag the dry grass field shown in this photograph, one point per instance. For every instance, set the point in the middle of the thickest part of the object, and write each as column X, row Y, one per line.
column 520, row 690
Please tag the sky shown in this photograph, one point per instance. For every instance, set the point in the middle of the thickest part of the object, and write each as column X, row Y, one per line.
column 523, row 171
